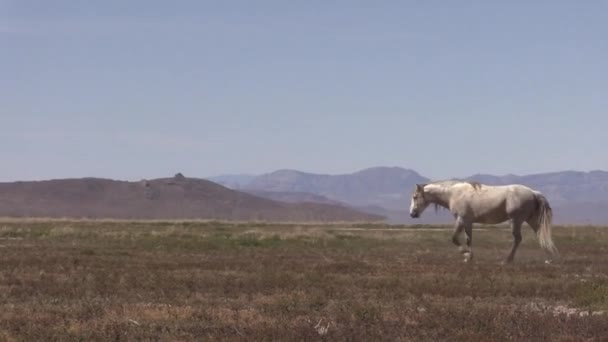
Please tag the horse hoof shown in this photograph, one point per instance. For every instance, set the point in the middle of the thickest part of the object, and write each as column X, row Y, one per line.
column 468, row 256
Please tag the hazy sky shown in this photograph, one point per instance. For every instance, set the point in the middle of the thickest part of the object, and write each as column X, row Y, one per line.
column 142, row 89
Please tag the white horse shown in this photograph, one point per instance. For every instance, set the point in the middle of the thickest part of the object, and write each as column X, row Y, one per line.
column 472, row 202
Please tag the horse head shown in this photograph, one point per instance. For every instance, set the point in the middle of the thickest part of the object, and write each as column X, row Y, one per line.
column 419, row 201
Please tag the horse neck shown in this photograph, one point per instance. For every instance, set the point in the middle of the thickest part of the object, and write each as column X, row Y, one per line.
column 439, row 195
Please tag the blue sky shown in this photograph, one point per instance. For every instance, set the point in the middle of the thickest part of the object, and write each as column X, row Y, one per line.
column 144, row 89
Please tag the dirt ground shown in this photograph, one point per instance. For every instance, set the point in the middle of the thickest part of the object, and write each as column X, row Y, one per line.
column 192, row 281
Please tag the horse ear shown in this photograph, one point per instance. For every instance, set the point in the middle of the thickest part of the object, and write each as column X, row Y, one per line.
column 420, row 187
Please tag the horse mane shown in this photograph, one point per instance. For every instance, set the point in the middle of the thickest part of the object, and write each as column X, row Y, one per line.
column 474, row 184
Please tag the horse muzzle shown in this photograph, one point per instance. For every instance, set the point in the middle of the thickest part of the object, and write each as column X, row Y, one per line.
column 415, row 214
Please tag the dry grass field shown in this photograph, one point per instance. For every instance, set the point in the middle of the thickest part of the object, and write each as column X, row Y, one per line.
column 194, row 281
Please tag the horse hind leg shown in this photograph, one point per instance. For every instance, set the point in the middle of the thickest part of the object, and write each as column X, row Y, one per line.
column 534, row 223
column 468, row 253
column 516, row 231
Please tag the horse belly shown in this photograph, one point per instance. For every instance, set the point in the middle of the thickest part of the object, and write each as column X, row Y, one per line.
column 493, row 215
column 492, row 218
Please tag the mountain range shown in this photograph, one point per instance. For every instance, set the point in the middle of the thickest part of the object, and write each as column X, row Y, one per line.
column 374, row 194
column 576, row 197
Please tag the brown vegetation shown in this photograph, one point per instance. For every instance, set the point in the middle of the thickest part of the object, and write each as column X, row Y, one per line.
column 86, row 280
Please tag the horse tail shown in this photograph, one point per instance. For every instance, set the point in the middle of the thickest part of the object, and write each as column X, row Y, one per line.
column 544, row 214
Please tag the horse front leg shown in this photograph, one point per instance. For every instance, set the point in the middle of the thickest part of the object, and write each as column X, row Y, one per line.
column 458, row 228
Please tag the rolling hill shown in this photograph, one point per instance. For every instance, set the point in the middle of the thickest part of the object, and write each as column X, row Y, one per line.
column 168, row 198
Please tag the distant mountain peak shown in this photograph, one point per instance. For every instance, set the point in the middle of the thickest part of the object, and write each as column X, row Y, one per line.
column 289, row 171
column 381, row 168
column 233, row 181
column 372, row 186
column 375, row 169
column 395, row 170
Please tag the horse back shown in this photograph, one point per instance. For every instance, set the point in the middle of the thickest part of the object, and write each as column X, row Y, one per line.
column 494, row 204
